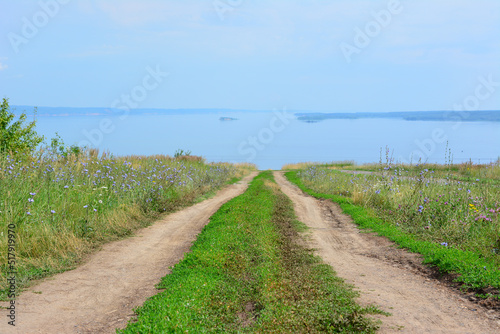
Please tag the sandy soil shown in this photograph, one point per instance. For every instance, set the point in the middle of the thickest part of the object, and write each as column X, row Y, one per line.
column 386, row 276
column 101, row 294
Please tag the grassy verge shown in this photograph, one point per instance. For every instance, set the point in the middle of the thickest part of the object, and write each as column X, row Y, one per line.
column 57, row 210
column 246, row 273
column 474, row 270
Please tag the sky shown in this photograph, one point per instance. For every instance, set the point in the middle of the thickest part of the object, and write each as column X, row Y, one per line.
column 337, row 55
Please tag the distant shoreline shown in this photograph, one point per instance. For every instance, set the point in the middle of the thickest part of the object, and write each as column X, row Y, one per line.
column 309, row 117
column 97, row 111
column 444, row 116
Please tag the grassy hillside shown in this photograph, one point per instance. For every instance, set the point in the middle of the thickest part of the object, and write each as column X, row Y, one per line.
column 58, row 209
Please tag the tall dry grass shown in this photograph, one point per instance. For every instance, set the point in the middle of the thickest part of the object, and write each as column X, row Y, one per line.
column 432, row 204
column 63, row 208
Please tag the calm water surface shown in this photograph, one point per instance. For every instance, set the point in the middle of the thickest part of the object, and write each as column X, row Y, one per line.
column 271, row 140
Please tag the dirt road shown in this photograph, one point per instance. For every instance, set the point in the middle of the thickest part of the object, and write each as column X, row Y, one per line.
column 386, row 276
column 100, row 295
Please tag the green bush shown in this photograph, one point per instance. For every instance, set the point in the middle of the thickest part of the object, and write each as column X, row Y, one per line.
column 15, row 136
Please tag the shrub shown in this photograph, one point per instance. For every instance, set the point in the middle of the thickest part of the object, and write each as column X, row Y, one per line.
column 15, row 136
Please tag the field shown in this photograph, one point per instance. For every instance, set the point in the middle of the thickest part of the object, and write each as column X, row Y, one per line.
column 253, row 268
column 219, row 167
column 448, row 213
column 60, row 209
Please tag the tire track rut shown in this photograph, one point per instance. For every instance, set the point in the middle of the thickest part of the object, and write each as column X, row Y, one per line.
column 100, row 295
column 386, row 276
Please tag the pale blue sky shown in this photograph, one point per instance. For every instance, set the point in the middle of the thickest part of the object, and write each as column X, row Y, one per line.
column 243, row 54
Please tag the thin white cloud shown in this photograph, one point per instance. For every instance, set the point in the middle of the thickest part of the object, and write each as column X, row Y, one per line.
column 3, row 66
column 136, row 13
column 303, row 27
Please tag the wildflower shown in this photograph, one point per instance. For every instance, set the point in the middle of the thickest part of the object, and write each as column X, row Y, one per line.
column 483, row 217
column 32, row 194
column 28, row 213
column 420, row 208
column 95, row 210
column 377, row 192
column 85, row 206
column 31, row 200
column 100, row 202
column 52, row 211
column 473, row 207
column 66, row 187
column 445, row 244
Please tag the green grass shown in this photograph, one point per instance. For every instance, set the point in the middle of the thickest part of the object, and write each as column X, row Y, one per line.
column 467, row 171
column 458, row 214
column 474, row 270
column 247, row 274
column 64, row 208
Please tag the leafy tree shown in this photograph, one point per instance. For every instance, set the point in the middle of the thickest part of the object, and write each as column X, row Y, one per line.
column 15, row 135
